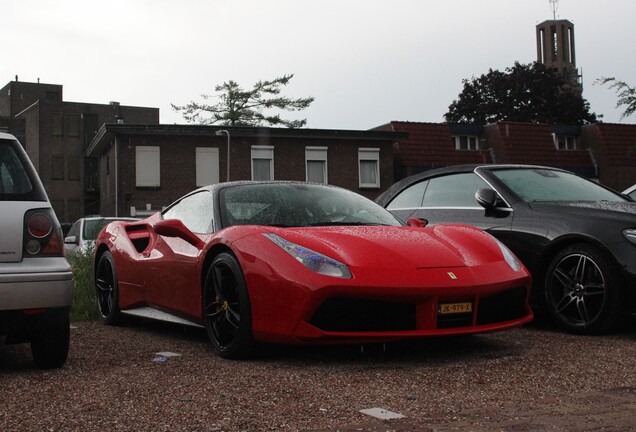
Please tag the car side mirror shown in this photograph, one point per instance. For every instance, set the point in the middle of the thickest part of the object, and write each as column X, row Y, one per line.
column 71, row 240
column 487, row 198
column 417, row 223
column 176, row 228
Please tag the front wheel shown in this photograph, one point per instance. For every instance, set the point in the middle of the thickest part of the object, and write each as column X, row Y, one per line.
column 226, row 308
column 582, row 291
column 107, row 290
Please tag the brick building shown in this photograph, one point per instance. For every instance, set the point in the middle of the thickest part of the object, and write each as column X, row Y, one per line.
column 55, row 134
column 604, row 152
column 143, row 168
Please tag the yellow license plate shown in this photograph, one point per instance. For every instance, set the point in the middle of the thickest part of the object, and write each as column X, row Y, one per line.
column 454, row 308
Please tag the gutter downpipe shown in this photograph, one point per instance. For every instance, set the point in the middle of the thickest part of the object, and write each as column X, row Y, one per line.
column 593, row 158
column 116, row 177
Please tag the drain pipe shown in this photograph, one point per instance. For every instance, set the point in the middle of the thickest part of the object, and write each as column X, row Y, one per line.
column 591, row 153
column 116, row 177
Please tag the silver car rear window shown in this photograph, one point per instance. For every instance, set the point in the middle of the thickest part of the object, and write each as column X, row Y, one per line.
column 14, row 179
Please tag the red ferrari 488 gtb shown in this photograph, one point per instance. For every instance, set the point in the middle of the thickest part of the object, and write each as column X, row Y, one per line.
column 296, row 263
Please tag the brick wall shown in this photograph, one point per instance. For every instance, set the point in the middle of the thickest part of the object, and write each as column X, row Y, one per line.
column 178, row 176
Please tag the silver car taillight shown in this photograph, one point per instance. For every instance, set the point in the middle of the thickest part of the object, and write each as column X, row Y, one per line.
column 42, row 234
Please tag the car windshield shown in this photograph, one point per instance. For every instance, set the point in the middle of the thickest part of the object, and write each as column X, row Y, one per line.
column 299, row 205
column 551, row 185
column 92, row 227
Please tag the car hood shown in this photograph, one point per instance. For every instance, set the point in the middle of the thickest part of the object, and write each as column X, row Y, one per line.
column 606, row 210
column 397, row 248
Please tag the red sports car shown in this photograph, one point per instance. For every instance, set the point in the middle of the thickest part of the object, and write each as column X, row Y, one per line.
column 296, row 263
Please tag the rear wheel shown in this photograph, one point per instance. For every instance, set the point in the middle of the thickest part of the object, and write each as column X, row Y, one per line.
column 227, row 310
column 49, row 346
column 582, row 291
column 107, row 290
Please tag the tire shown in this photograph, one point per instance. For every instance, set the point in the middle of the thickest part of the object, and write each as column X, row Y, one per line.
column 107, row 290
column 50, row 345
column 227, row 310
column 583, row 292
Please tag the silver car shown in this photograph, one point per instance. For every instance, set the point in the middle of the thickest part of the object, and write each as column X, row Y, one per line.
column 631, row 191
column 36, row 281
column 81, row 237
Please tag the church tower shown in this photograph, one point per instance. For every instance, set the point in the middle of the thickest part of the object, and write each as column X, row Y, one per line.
column 555, row 48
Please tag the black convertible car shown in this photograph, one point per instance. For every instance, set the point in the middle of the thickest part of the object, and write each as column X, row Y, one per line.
column 577, row 238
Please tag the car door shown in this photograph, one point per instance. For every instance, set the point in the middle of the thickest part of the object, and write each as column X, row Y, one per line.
column 173, row 278
column 451, row 199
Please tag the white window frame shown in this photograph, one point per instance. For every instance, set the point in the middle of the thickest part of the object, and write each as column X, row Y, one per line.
column 266, row 153
column 570, row 141
column 206, row 165
column 369, row 154
column 470, row 139
column 316, row 154
column 147, row 166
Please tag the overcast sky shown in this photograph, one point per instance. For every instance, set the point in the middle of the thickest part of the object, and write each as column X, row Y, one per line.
column 367, row 62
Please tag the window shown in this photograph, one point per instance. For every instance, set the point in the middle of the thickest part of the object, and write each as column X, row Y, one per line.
column 53, row 97
column 73, row 125
column 369, row 167
column 564, row 142
column 262, row 163
column 74, row 208
column 196, row 211
column 456, row 190
column 316, row 164
column 465, row 142
column 207, row 165
column 410, row 197
column 14, row 178
column 57, row 168
column 73, row 166
column 147, row 163
column 58, row 126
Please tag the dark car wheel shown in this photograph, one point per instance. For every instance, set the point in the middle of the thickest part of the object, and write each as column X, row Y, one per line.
column 227, row 310
column 49, row 346
column 583, row 294
column 107, row 290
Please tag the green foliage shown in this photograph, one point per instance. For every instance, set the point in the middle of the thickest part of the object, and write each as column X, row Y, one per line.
column 238, row 107
column 84, row 302
column 523, row 93
column 626, row 94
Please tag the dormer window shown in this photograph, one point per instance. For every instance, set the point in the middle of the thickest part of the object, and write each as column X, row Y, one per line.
column 465, row 142
column 564, row 142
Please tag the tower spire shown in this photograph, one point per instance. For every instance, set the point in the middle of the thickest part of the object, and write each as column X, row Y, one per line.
column 554, row 5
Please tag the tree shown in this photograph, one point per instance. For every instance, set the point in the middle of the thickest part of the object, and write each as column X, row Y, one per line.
column 524, row 93
column 626, row 94
column 238, row 107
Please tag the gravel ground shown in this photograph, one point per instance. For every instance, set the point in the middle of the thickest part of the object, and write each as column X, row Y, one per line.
column 113, row 382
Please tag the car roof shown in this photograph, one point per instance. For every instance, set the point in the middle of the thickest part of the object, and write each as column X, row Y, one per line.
column 400, row 185
column 219, row 186
column 4, row 135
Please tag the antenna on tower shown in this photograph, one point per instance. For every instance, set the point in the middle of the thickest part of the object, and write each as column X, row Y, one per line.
column 554, row 5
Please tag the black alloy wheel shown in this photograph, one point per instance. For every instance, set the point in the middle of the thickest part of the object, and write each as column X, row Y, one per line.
column 227, row 310
column 107, row 290
column 582, row 291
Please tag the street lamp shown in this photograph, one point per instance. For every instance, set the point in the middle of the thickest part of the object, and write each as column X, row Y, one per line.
column 219, row 133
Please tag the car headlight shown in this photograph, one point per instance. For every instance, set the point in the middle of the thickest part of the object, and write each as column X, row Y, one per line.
column 311, row 259
column 510, row 258
column 630, row 234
